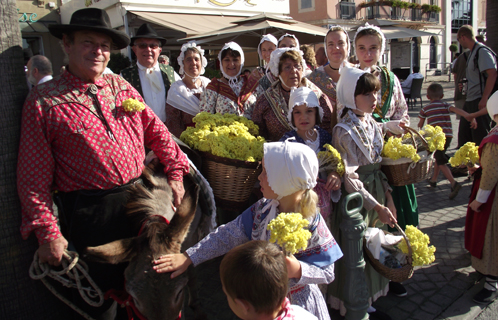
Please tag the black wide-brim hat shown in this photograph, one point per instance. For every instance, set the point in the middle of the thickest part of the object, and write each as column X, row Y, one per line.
column 146, row 31
column 91, row 19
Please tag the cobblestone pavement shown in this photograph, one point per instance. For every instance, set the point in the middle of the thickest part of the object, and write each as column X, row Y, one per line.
column 442, row 290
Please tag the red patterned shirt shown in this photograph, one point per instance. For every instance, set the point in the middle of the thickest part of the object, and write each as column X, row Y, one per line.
column 69, row 143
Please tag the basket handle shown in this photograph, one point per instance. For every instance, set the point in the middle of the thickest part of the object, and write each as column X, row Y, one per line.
column 413, row 131
column 410, row 252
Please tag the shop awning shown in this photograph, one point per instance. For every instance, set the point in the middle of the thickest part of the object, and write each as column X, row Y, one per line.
column 189, row 24
column 33, row 26
column 394, row 32
column 247, row 32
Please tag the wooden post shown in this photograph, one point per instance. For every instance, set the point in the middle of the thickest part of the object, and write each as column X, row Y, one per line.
column 353, row 228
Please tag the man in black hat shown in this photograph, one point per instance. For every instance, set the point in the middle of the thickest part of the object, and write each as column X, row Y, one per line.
column 150, row 78
column 80, row 143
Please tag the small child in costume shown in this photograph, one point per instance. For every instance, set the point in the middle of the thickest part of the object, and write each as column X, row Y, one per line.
column 359, row 139
column 481, row 225
column 254, row 279
column 305, row 114
column 437, row 113
column 287, row 181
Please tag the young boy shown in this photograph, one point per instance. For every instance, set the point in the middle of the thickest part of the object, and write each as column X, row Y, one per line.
column 254, row 279
column 437, row 113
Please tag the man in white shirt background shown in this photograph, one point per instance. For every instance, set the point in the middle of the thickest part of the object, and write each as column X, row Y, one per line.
column 407, row 84
column 150, row 80
column 39, row 70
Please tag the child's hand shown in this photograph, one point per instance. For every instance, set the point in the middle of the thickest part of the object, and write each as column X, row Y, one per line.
column 472, row 169
column 176, row 263
column 385, row 215
column 473, row 123
column 474, row 205
column 333, row 181
column 293, row 267
column 395, row 126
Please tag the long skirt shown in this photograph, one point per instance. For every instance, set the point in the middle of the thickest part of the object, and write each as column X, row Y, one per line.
column 406, row 205
column 372, row 177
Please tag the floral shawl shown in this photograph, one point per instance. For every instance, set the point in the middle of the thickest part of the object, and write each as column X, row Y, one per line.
column 367, row 135
column 279, row 105
column 240, row 102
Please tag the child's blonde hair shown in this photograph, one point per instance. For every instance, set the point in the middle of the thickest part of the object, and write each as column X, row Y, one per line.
column 308, row 204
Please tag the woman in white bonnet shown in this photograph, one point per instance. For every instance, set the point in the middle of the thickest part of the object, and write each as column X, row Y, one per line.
column 266, row 46
column 337, row 47
column 233, row 93
column 184, row 96
column 270, row 112
column 288, row 177
column 288, row 41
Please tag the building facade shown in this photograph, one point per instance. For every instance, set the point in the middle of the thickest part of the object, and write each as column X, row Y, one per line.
column 34, row 18
column 425, row 48
column 174, row 20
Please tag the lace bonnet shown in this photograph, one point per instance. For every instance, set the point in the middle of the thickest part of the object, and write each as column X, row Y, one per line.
column 181, row 57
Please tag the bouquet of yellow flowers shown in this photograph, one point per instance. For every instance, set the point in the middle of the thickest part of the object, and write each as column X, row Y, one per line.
column 466, row 155
column 287, row 230
column 227, row 135
column 330, row 160
column 422, row 253
column 395, row 149
column 434, row 136
column 132, row 105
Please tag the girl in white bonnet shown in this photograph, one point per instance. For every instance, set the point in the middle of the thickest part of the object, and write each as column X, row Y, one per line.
column 288, row 177
column 305, row 114
column 359, row 139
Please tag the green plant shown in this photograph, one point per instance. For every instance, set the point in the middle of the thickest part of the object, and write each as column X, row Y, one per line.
column 453, row 47
column 430, row 8
column 212, row 73
column 400, row 4
column 118, row 62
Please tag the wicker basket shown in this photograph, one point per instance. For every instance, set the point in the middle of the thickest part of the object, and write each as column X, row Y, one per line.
column 396, row 275
column 232, row 180
column 404, row 171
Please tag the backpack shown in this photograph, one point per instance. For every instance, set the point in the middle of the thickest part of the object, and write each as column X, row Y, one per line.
column 476, row 65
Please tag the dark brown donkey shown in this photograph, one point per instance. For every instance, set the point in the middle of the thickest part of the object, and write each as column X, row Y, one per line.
column 156, row 296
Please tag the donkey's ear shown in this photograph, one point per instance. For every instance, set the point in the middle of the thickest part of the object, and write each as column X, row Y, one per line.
column 113, row 252
column 184, row 215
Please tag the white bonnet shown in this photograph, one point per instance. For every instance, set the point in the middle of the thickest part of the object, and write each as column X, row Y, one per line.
column 290, row 167
column 275, row 59
column 346, row 85
column 347, row 40
column 234, row 46
column 181, row 57
column 369, row 26
column 303, row 95
column 290, row 36
column 269, row 38
column 492, row 105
